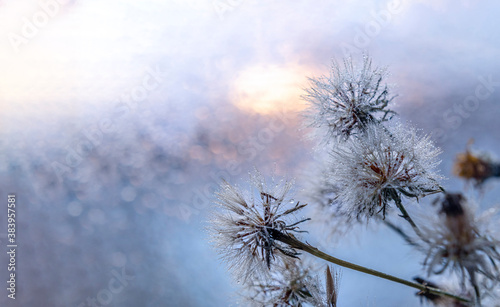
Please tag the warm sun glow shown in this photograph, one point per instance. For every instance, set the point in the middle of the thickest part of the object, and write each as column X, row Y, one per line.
column 77, row 57
column 268, row 89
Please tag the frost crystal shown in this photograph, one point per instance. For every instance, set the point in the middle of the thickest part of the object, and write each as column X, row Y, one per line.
column 243, row 229
column 349, row 99
column 381, row 165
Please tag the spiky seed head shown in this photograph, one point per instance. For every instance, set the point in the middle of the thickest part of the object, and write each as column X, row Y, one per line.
column 349, row 99
column 460, row 242
column 290, row 284
column 242, row 229
column 380, row 166
column 439, row 300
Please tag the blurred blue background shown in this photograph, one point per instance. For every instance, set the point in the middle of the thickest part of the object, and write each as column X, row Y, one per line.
column 119, row 118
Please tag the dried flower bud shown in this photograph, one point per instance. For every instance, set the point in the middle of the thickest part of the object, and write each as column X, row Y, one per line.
column 475, row 167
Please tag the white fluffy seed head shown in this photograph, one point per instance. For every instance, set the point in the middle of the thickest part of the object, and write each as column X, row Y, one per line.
column 242, row 228
column 348, row 100
column 380, row 165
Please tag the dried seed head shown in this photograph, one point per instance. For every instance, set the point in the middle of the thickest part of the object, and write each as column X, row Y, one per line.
column 242, row 229
column 348, row 100
column 461, row 243
column 379, row 166
column 290, row 284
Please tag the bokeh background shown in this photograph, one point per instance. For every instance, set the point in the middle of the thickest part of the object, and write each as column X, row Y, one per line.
column 119, row 118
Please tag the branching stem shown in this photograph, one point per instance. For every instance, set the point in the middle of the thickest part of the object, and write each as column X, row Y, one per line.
column 293, row 242
column 406, row 216
column 401, row 232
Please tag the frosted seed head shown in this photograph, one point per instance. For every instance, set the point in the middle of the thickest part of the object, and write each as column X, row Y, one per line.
column 381, row 165
column 348, row 100
column 242, row 229
column 290, row 284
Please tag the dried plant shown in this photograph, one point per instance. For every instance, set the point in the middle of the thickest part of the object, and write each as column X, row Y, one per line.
column 379, row 166
column 475, row 167
column 460, row 242
column 242, row 230
column 372, row 165
column 332, row 286
column 292, row 284
column 349, row 100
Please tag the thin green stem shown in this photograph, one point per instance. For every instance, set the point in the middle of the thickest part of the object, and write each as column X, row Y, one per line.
column 293, row 242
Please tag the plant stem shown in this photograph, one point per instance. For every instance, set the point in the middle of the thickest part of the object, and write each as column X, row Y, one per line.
column 293, row 242
column 406, row 216
column 400, row 232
